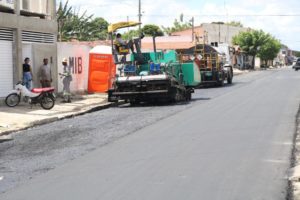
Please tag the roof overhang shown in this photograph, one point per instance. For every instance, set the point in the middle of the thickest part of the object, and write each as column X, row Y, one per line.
column 114, row 27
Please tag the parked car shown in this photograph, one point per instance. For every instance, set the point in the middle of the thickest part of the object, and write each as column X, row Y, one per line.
column 294, row 60
column 296, row 66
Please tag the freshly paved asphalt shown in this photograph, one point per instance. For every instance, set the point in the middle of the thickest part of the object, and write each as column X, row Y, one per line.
column 230, row 143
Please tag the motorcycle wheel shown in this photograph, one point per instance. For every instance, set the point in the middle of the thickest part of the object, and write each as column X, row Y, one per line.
column 47, row 102
column 12, row 100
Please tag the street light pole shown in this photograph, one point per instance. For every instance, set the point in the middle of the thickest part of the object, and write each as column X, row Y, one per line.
column 140, row 15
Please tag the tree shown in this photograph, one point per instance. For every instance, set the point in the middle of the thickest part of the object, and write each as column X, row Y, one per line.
column 80, row 28
column 269, row 50
column 63, row 13
column 177, row 26
column 130, row 34
column 297, row 53
column 218, row 23
column 152, row 30
column 235, row 23
column 99, row 28
column 251, row 42
column 148, row 30
column 72, row 24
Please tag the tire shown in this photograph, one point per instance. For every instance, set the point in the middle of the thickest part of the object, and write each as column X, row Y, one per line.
column 220, row 79
column 178, row 96
column 220, row 83
column 47, row 102
column 229, row 78
column 12, row 100
column 188, row 96
column 134, row 102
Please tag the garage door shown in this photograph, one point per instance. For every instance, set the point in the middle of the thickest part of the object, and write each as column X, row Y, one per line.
column 6, row 66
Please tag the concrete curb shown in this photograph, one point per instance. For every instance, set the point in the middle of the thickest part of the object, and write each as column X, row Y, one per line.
column 4, row 138
column 53, row 119
column 293, row 174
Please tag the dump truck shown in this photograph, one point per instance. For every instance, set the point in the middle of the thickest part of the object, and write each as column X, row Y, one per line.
column 150, row 76
column 214, row 63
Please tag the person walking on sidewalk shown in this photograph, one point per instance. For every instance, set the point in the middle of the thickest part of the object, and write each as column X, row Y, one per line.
column 66, row 81
column 27, row 74
column 45, row 74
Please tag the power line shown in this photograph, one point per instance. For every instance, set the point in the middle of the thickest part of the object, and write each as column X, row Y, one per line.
column 102, row 5
column 140, row 14
column 224, row 15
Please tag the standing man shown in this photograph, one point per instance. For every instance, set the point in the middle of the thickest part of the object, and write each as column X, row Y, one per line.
column 45, row 74
column 66, row 81
column 27, row 74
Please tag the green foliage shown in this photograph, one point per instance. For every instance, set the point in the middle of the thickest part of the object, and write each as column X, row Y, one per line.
column 152, row 30
column 63, row 15
column 99, row 26
column 297, row 53
column 177, row 26
column 72, row 25
column 258, row 43
column 130, row 34
column 148, row 30
column 218, row 23
column 235, row 23
column 251, row 41
column 269, row 50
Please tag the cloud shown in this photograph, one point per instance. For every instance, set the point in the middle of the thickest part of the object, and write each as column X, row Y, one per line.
column 251, row 13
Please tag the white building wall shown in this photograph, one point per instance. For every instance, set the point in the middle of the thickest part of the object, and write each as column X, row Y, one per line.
column 222, row 33
column 78, row 57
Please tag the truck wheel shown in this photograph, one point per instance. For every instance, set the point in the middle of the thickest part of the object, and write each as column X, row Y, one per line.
column 229, row 78
column 134, row 102
column 177, row 96
column 220, row 83
column 188, row 96
column 173, row 95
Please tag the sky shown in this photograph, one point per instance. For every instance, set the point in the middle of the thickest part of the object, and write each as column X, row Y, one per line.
column 277, row 17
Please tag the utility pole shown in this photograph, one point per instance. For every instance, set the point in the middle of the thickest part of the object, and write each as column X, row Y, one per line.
column 127, row 22
column 219, row 33
column 140, row 15
column 193, row 29
column 227, row 32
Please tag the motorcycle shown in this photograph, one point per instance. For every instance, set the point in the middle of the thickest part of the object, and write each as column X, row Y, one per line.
column 43, row 96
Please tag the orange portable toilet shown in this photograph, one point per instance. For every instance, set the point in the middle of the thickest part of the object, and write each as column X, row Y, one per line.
column 102, row 69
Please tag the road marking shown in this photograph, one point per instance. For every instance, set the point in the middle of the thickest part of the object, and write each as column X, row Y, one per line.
column 1, row 178
column 4, row 138
column 283, row 143
column 275, row 161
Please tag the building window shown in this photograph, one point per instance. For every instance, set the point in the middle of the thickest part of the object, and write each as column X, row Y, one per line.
column 37, row 37
column 214, row 44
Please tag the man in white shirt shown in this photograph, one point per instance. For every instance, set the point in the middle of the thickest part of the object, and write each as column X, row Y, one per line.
column 45, row 74
column 121, row 42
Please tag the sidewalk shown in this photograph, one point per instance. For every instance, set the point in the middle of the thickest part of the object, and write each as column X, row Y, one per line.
column 23, row 116
column 237, row 72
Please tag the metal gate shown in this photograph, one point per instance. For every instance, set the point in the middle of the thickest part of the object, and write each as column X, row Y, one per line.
column 6, row 57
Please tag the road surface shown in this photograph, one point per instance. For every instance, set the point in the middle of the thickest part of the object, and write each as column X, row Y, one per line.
column 229, row 143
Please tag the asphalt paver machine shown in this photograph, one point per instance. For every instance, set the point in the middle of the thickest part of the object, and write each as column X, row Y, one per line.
column 150, row 76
